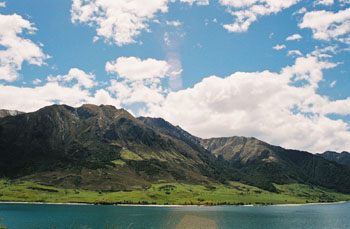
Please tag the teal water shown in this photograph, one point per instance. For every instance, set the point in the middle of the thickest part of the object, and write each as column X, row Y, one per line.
column 107, row 216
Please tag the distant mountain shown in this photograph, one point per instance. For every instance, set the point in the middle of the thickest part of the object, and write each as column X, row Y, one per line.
column 267, row 164
column 103, row 148
column 4, row 113
column 342, row 158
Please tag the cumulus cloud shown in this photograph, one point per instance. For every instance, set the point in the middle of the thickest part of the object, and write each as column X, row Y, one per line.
column 129, row 93
column 53, row 91
column 294, row 37
column 2, row 4
column 121, row 21
column 333, row 83
column 133, row 68
column 328, row 25
column 294, row 53
column 36, row 81
column 14, row 49
column 175, row 23
column 118, row 21
column 198, row 2
column 82, row 79
column 247, row 11
column 279, row 47
column 139, row 81
column 300, row 11
column 324, row 2
column 266, row 105
column 326, row 52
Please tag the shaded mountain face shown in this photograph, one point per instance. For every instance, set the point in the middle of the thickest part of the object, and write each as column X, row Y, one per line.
column 95, row 147
column 4, row 113
column 265, row 164
column 342, row 158
column 220, row 170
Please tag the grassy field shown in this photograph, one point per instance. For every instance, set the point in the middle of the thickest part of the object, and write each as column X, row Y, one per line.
column 171, row 193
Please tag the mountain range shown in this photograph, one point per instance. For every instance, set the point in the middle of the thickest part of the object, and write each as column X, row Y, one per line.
column 340, row 158
column 104, row 148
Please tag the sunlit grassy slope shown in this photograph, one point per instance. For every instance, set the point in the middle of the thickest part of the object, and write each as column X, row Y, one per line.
column 171, row 193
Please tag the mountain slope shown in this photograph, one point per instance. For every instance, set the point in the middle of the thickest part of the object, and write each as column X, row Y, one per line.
column 94, row 147
column 342, row 158
column 266, row 164
column 220, row 169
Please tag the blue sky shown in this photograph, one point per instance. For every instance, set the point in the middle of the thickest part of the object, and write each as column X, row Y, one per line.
column 275, row 70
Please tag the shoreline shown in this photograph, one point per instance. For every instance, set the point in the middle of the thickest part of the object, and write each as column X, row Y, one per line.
column 169, row 205
column 306, row 204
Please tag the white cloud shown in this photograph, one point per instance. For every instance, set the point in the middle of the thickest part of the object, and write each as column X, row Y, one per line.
column 344, row 2
column 101, row 96
column 118, row 21
column 37, row 81
column 137, row 92
column 198, row 2
column 30, row 99
column 83, row 79
column 55, row 90
column 279, row 47
column 300, row 11
column 95, row 38
column 139, row 81
column 324, row 2
column 328, row 25
column 333, row 83
column 265, row 105
column 294, row 37
column 15, row 49
column 121, row 21
column 325, row 52
column 248, row 11
column 174, row 23
column 294, row 53
column 132, row 68
column 2, row 4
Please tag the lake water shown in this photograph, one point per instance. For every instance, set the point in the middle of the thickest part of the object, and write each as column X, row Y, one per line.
column 107, row 216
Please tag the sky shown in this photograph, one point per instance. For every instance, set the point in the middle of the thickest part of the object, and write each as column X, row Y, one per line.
column 277, row 70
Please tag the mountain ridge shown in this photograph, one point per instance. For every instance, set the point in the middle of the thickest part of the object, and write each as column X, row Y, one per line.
column 342, row 158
